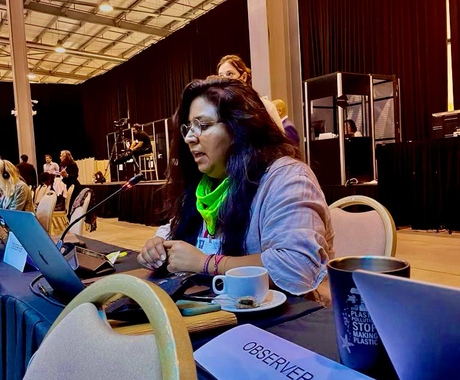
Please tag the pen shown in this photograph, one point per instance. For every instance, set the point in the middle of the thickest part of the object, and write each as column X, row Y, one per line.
column 43, row 290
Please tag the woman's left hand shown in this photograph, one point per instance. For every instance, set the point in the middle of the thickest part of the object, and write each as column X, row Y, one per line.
column 183, row 256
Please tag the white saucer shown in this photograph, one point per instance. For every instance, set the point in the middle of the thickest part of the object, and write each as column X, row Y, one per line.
column 273, row 299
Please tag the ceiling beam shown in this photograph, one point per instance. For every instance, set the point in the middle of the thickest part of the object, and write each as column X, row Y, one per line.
column 119, row 16
column 50, row 74
column 93, row 18
column 77, row 53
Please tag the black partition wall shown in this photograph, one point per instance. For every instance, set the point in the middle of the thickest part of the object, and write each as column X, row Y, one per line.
column 419, row 183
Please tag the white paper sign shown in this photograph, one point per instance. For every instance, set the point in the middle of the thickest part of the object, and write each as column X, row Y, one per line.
column 247, row 352
column 15, row 254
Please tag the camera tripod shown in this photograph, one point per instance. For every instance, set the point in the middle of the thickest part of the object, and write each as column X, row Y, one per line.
column 125, row 155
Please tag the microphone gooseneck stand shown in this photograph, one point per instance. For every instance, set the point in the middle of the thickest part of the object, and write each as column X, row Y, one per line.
column 128, row 185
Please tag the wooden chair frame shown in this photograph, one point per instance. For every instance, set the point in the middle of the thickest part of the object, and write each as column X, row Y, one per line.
column 172, row 337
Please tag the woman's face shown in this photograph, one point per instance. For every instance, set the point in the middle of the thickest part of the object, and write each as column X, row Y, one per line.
column 227, row 70
column 210, row 150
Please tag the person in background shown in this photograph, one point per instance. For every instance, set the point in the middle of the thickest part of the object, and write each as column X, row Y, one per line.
column 50, row 166
column 289, row 128
column 99, row 177
column 27, row 171
column 238, row 193
column 233, row 67
column 69, row 173
column 15, row 193
column 350, row 129
column 141, row 144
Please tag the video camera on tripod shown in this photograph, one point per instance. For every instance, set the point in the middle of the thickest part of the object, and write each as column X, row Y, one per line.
column 120, row 124
column 120, row 152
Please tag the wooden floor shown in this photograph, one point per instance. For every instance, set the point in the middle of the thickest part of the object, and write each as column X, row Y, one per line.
column 434, row 257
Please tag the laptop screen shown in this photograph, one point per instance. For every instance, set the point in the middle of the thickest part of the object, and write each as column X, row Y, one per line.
column 43, row 252
column 418, row 324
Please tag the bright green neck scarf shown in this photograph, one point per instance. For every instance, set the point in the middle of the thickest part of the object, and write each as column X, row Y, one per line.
column 208, row 201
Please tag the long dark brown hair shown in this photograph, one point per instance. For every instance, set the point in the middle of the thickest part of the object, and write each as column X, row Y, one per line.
column 257, row 143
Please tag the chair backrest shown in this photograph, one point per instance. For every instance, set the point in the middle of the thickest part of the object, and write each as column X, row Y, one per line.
column 77, row 229
column 69, row 196
column 362, row 233
column 81, row 345
column 39, row 193
column 45, row 209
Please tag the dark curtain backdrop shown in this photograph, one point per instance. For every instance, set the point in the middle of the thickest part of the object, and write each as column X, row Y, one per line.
column 402, row 37
column 419, row 183
column 454, row 8
column 58, row 123
column 8, row 132
column 151, row 82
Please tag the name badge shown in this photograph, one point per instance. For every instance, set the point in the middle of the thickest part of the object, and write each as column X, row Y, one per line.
column 208, row 246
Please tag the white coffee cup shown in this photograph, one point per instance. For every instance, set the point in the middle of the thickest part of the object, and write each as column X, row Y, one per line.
column 243, row 282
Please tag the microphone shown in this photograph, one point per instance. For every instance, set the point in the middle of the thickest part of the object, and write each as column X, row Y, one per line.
column 132, row 182
column 128, row 185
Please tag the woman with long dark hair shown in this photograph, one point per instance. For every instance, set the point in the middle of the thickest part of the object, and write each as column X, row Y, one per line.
column 238, row 195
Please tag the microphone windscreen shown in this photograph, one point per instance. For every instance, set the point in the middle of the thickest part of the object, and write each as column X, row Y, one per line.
column 136, row 179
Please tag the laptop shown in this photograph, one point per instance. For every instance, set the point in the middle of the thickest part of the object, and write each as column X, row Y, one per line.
column 418, row 322
column 58, row 272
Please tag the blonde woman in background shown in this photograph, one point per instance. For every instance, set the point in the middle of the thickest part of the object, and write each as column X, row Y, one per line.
column 15, row 194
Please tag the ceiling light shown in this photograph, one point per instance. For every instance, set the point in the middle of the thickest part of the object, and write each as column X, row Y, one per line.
column 105, row 7
column 31, row 76
column 59, row 48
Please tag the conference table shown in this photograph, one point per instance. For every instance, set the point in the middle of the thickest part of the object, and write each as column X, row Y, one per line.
column 26, row 318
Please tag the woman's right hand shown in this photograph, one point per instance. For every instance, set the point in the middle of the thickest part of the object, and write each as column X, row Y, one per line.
column 153, row 254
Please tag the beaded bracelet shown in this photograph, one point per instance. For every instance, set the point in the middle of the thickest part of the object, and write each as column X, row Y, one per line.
column 206, row 263
column 217, row 259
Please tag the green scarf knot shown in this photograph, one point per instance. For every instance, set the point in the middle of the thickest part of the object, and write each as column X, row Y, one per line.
column 208, row 201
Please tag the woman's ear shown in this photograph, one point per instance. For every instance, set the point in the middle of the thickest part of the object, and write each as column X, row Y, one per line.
column 244, row 77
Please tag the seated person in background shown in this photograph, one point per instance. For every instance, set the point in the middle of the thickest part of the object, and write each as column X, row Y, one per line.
column 27, row 171
column 99, row 177
column 141, row 144
column 49, row 183
column 238, row 194
column 50, row 166
column 69, row 173
column 16, row 194
column 350, row 129
column 289, row 128
column 233, row 67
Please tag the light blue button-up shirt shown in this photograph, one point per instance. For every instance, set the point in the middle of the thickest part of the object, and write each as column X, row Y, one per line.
column 290, row 226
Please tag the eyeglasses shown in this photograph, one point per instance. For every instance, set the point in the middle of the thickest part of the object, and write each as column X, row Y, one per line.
column 196, row 127
column 230, row 75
